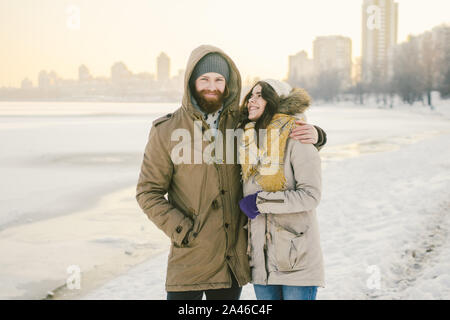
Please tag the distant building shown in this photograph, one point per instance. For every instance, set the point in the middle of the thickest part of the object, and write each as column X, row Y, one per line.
column 26, row 84
column 43, row 80
column 119, row 72
column 433, row 49
column 334, row 54
column 379, row 36
column 178, row 80
column 54, row 79
column 357, row 70
column 301, row 68
column 84, row 74
column 441, row 36
column 163, row 68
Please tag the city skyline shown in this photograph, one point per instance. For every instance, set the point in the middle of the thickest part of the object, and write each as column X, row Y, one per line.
column 118, row 70
column 106, row 33
column 299, row 61
column 329, row 71
column 121, row 85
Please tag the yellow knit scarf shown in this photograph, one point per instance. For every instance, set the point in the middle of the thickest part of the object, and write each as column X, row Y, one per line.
column 265, row 163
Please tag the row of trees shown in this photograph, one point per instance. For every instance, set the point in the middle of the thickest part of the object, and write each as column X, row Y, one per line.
column 422, row 65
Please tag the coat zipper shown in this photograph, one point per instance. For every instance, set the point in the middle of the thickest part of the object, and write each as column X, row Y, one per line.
column 266, row 252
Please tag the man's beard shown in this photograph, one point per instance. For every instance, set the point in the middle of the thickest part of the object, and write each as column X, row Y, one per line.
column 209, row 105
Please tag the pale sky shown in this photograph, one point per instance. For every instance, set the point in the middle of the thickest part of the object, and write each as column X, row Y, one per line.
column 259, row 35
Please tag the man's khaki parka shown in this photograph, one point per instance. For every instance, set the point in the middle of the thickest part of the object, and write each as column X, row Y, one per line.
column 202, row 197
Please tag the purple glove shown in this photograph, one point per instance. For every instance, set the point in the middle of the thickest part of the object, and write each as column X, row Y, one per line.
column 248, row 206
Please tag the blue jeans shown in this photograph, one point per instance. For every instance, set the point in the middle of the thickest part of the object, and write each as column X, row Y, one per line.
column 279, row 292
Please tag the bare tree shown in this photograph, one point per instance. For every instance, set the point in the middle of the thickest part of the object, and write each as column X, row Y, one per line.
column 429, row 63
column 443, row 60
column 328, row 85
column 407, row 79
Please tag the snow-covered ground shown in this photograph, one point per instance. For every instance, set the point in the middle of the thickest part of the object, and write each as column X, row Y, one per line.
column 384, row 214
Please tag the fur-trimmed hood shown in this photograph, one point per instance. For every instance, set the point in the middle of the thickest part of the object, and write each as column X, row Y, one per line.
column 296, row 102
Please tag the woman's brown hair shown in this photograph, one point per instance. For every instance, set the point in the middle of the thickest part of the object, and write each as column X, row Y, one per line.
column 273, row 101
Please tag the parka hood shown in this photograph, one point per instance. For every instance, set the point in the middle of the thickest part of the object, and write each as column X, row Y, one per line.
column 296, row 102
column 234, row 83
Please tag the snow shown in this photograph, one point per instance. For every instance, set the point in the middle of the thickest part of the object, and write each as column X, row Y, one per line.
column 383, row 218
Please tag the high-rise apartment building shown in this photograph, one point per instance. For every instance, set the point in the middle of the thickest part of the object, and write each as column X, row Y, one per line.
column 300, row 67
column 334, row 54
column 379, row 36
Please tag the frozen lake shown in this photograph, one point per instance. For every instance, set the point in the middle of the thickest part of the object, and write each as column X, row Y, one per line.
column 59, row 157
column 69, row 172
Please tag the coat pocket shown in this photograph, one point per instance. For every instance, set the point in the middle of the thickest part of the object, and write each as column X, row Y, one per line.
column 290, row 249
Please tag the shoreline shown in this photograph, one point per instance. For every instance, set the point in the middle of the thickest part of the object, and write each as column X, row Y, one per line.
column 82, row 201
column 102, row 242
column 100, row 275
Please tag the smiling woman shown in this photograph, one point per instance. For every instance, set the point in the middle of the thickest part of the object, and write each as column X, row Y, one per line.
column 281, row 192
column 259, row 105
column 256, row 104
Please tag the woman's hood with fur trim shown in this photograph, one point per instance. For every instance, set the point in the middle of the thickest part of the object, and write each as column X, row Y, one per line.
column 296, row 102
